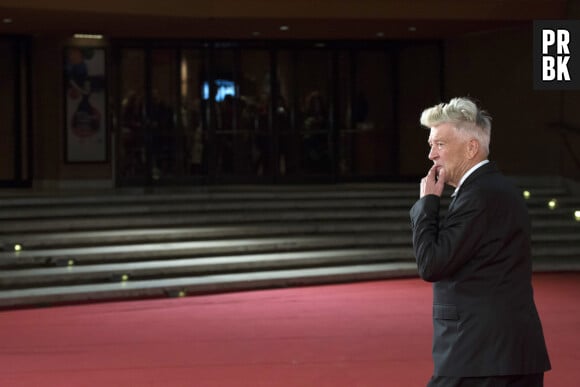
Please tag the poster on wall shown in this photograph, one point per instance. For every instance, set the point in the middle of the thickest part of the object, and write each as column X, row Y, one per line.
column 85, row 105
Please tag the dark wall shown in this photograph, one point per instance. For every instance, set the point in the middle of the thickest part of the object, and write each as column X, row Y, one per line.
column 496, row 68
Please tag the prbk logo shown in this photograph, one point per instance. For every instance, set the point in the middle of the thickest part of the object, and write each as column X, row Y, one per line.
column 557, row 55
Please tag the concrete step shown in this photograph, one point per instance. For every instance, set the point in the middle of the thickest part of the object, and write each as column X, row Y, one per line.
column 132, row 212
column 107, row 272
column 540, row 218
column 556, row 236
column 555, row 251
column 306, row 197
column 34, row 241
column 194, row 285
column 561, row 264
column 236, row 192
column 46, row 296
column 187, row 219
column 151, row 251
column 128, row 209
column 555, row 225
column 563, row 231
column 215, row 194
column 37, row 277
column 137, row 205
column 293, row 240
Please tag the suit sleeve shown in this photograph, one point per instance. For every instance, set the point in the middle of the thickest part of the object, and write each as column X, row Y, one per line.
column 442, row 248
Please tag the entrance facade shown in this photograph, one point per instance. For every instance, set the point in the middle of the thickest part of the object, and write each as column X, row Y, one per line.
column 227, row 112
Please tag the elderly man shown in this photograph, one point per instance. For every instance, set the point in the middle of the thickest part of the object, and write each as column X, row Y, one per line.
column 487, row 331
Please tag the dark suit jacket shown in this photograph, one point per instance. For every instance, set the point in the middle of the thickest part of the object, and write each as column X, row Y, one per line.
column 479, row 258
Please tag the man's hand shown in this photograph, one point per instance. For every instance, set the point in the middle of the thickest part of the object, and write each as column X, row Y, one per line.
column 433, row 183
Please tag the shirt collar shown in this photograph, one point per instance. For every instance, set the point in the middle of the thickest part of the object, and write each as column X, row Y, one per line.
column 466, row 175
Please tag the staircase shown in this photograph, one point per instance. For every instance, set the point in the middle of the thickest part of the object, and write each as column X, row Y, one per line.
column 127, row 244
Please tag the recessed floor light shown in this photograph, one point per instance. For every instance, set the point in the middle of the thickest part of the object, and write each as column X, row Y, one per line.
column 88, row 36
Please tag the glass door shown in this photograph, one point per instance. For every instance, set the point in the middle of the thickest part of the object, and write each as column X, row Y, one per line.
column 303, row 114
column 313, row 94
column 15, row 155
column 132, row 164
column 366, row 119
column 256, row 121
column 161, row 137
column 227, row 112
column 239, row 93
column 194, row 109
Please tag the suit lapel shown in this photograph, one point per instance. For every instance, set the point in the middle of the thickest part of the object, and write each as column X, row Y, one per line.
column 452, row 201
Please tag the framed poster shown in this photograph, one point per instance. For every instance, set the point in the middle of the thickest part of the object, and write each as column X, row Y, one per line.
column 85, row 105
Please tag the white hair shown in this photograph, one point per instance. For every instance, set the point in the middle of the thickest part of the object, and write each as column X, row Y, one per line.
column 469, row 120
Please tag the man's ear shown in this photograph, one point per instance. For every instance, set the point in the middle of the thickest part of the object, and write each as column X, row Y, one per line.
column 472, row 148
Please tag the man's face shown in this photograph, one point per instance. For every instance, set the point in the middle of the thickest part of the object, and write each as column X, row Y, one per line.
column 449, row 152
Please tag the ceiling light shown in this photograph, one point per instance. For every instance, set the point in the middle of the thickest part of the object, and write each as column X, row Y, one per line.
column 284, row 28
column 412, row 29
column 380, row 34
column 7, row 20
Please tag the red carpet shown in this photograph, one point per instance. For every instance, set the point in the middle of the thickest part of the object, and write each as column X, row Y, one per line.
column 367, row 334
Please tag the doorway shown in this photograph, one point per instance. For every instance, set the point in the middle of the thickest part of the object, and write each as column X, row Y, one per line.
column 270, row 112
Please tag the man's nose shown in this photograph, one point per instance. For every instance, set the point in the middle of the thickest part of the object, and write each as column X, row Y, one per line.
column 433, row 153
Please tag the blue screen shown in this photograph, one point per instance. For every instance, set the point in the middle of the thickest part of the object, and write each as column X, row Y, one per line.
column 223, row 87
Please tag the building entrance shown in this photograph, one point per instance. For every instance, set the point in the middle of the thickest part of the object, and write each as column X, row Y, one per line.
column 226, row 112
